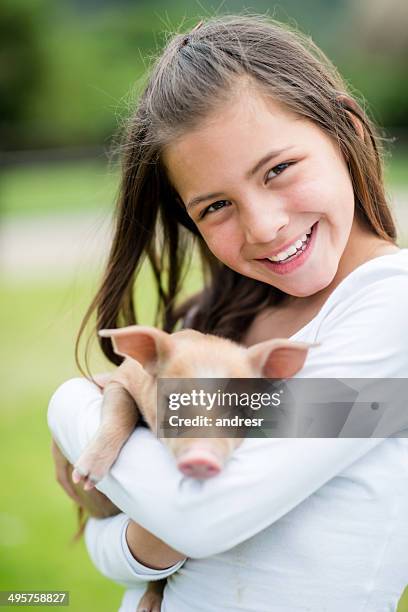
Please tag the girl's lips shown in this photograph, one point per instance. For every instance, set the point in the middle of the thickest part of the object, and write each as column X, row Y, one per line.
column 285, row 268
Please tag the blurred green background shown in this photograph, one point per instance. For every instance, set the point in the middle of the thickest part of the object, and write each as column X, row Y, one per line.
column 70, row 73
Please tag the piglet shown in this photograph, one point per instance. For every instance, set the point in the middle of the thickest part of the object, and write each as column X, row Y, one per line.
column 151, row 354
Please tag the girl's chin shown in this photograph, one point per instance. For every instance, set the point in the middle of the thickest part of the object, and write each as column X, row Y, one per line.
column 320, row 282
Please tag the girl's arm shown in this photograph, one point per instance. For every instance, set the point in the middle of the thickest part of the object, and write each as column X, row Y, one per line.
column 149, row 550
column 155, row 559
column 364, row 336
column 107, row 546
column 266, row 479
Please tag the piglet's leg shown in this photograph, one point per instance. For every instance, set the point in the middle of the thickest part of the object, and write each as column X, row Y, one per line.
column 119, row 418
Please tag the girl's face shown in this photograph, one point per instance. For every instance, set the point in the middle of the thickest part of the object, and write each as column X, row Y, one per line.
column 255, row 179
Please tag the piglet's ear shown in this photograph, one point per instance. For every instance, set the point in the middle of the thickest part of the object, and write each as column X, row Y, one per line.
column 278, row 358
column 145, row 344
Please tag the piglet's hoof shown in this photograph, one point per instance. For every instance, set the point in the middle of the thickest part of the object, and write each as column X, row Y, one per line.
column 199, row 463
column 93, row 464
column 88, row 481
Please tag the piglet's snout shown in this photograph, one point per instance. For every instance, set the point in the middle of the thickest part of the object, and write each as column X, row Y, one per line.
column 200, row 463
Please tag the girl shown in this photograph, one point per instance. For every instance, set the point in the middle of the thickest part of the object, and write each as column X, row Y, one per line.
column 247, row 143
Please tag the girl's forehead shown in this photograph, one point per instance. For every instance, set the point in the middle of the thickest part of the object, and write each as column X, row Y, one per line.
column 241, row 115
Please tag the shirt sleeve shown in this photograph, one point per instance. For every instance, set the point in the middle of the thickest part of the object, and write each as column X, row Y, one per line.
column 106, row 542
column 263, row 481
column 265, row 478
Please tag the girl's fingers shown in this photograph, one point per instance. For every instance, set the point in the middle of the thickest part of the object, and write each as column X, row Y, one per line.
column 63, row 472
column 69, row 488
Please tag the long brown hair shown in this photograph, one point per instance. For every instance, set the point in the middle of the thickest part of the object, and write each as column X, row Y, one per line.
column 193, row 76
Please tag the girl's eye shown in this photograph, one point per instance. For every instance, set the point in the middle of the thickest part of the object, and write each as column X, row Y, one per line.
column 215, row 205
column 220, row 204
column 278, row 169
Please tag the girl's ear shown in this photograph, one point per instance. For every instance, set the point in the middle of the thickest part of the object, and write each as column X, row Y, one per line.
column 353, row 111
column 145, row 344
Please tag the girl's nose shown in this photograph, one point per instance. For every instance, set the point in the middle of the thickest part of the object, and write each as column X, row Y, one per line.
column 262, row 222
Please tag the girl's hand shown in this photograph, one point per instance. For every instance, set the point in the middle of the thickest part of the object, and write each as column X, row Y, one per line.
column 63, row 470
column 94, row 502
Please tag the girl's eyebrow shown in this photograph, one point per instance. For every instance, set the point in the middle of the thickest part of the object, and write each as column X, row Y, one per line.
column 266, row 158
column 209, row 196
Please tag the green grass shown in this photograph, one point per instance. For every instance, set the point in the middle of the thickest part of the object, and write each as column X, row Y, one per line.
column 396, row 173
column 403, row 602
column 37, row 520
column 81, row 186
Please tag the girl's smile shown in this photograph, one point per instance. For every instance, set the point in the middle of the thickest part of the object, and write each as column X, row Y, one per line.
column 294, row 255
column 250, row 203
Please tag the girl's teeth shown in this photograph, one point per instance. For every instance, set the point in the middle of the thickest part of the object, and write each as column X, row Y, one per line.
column 292, row 249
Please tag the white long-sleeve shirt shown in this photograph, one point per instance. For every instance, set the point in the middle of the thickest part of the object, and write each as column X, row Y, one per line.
column 290, row 524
